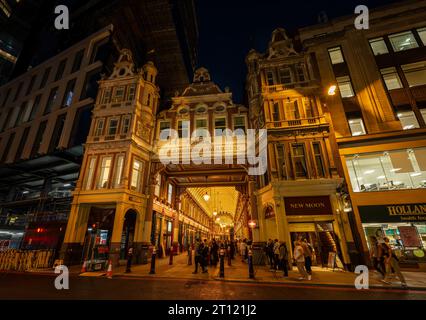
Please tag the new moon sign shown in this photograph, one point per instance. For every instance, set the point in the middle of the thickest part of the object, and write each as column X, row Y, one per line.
column 301, row 206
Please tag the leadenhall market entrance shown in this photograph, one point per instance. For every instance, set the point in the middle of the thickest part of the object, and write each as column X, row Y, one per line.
column 404, row 225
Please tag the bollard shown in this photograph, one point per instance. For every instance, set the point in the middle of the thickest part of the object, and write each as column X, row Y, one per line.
column 154, row 253
column 222, row 263
column 229, row 256
column 171, row 255
column 250, row 264
column 189, row 256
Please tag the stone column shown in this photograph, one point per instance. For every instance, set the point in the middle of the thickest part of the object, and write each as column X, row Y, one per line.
column 281, row 219
column 114, row 250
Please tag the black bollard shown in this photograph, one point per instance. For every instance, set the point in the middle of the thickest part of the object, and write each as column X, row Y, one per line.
column 250, row 264
column 154, row 253
column 222, row 263
column 129, row 260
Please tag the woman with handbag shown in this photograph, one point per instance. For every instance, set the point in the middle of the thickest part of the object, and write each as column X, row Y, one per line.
column 391, row 262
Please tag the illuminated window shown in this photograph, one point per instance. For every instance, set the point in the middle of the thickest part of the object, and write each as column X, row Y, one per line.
column 422, row 35
column 299, row 161
column 118, row 94
column 104, row 172
column 136, row 175
column 415, row 73
column 357, row 126
column 240, row 123
column 219, row 126
column 345, row 87
column 378, row 45
column 113, row 127
column 201, row 124
column 118, row 170
column 131, row 92
column 169, row 193
column 99, row 127
column 183, row 128
column 90, row 173
column 336, row 55
column 408, row 120
column 403, row 41
column 391, row 78
column 318, row 159
column 106, row 98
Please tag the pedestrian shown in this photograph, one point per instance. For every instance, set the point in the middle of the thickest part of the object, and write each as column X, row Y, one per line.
column 299, row 258
column 204, row 254
column 283, row 257
column 377, row 256
column 307, row 251
column 276, row 250
column 198, row 255
column 391, row 262
column 129, row 260
column 270, row 253
column 214, row 252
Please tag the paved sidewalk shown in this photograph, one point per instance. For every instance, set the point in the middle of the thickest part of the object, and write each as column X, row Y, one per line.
column 239, row 272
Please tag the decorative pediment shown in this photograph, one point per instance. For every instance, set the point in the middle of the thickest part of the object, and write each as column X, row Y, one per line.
column 125, row 66
column 281, row 45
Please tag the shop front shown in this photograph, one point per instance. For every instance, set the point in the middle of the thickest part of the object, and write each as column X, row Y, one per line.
column 312, row 219
column 405, row 226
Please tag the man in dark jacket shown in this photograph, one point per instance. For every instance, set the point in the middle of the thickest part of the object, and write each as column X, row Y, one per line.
column 198, row 255
column 204, row 254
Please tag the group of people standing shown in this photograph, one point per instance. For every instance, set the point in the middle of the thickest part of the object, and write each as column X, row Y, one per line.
column 207, row 252
column 278, row 255
column 384, row 260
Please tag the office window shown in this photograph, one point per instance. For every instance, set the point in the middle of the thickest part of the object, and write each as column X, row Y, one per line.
column 118, row 171
column 270, row 78
column 422, row 35
column 18, row 92
column 378, row 45
column 51, row 100
column 336, row 55
column 135, row 183
column 106, row 97
column 240, row 123
column 78, row 58
column 38, row 139
column 387, row 170
column 299, row 161
column 90, row 87
column 345, row 86
column 8, row 146
column 31, row 84
column 170, row 193
column 90, row 173
column 45, row 77
column 104, row 172
column 391, row 78
column 35, row 107
column 318, row 159
column 69, row 93
column 183, row 129
column 57, row 132
column 357, row 126
column 118, row 94
column 403, row 41
column 285, row 75
column 131, row 92
column 22, row 143
column 415, row 73
column 113, row 127
column 408, row 120
column 219, row 125
column 125, row 126
column 300, row 73
column 60, row 70
column 99, row 127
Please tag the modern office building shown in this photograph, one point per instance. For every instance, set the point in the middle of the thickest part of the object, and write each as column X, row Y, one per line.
column 376, row 83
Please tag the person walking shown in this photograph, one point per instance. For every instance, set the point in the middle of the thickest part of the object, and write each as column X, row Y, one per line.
column 276, row 250
column 391, row 262
column 299, row 258
column 376, row 256
column 204, row 254
column 214, row 253
column 307, row 251
column 198, row 255
column 270, row 253
column 283, row 256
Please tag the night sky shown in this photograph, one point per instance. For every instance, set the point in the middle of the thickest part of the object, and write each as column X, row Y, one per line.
column 229, row 28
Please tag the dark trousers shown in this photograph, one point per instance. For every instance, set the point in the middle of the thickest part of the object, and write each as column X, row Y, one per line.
column 271, row 260
column 379, row 266
column 276, row 261
column 199, row 261
column 308, row 264
column 284, row 266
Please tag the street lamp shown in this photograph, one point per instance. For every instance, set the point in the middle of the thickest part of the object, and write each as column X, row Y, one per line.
column 332, row 90
column 206, row 197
